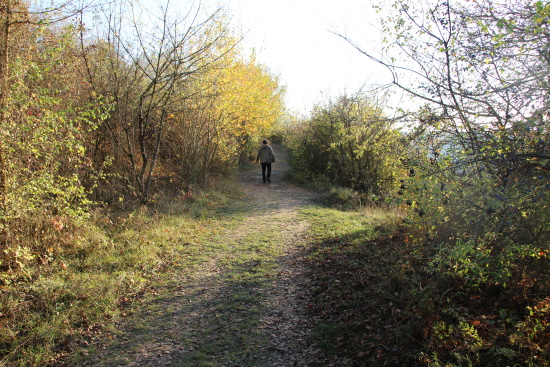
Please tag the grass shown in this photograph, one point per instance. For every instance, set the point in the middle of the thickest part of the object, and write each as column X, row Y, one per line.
column 50, row 305
column 355, row 286
column 188, row 279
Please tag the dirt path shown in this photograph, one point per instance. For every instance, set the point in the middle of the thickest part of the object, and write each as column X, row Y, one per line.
column 287, row 323
column 232, row 312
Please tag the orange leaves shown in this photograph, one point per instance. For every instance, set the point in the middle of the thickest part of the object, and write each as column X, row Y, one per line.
column 57, row 224
column 187, row 195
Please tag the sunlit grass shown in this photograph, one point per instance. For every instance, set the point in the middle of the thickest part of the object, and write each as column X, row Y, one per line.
column 211, row 267
column 111, row 259
column 330, row 222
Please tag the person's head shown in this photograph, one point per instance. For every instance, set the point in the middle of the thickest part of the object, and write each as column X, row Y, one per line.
column 265, row 141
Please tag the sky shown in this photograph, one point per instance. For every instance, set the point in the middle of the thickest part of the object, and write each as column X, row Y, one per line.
column 293, row 39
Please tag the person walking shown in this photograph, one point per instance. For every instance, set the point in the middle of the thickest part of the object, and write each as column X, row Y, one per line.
column 265, row 156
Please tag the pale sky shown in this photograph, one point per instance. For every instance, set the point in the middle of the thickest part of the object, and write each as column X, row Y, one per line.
column 293, row 39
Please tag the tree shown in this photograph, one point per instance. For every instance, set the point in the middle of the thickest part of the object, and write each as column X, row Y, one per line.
column 230, row 103
column 147, row 73
column 15, row 14
column 479, row 63
column 478, row 157
column 476, row 167
column 46, row 114
column 9, row 12
column 250, row 101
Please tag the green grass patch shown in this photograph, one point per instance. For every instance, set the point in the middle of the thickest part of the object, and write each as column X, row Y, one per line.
column 362, row 287
column 366, row 223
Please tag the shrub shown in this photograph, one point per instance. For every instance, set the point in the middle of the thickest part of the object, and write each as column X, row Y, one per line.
column 348, row 143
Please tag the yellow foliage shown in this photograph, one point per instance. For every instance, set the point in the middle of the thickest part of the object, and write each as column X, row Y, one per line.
column 229, row 100
column 249, row 98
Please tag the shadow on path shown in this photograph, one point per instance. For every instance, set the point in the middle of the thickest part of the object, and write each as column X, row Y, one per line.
column 245, row 306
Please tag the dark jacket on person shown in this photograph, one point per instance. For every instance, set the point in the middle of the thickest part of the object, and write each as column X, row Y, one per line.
column 265, row 154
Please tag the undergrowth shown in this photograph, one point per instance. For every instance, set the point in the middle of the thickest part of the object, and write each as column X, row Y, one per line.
column 380, row 305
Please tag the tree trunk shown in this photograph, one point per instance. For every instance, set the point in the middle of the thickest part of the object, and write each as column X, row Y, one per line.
column 5, row 11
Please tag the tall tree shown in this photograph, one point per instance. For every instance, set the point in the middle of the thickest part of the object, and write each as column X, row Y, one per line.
column 249, row 102
column 482, row 64
column 11, row 13
column 5, row 22
column 233, row 101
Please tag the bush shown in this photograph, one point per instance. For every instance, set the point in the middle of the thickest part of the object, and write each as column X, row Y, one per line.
column 479, row 223
column 348, row 143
